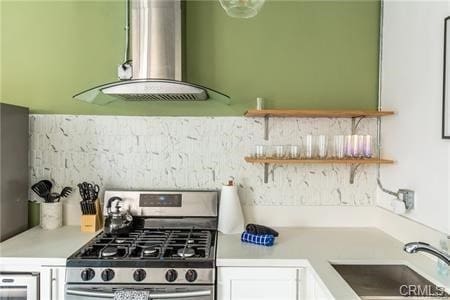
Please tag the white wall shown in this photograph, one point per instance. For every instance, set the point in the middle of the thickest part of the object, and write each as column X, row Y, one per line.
column 411, row 84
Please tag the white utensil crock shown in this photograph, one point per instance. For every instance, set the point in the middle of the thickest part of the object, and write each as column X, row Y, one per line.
column 51, row 215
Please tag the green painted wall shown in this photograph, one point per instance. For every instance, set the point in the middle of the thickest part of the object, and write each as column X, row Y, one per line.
column 302, row 54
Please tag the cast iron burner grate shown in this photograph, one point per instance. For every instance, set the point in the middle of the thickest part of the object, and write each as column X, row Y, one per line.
column 182, row 244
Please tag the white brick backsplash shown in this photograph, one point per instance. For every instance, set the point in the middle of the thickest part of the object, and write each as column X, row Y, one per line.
column 193, row 153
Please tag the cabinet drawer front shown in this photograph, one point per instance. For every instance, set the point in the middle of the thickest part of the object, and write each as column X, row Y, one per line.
column 258, row 283
column 262, row 273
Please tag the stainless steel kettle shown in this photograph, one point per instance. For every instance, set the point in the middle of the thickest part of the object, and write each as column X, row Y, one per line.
column 117, row 222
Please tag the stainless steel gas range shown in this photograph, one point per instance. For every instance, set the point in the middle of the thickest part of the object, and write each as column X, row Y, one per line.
column 169, row 251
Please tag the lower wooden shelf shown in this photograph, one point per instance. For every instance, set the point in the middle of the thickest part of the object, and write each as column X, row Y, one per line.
column 353, row 162
column 359, row 161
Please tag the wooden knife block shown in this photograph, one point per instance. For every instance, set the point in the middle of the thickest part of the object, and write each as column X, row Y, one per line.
column 92, row 223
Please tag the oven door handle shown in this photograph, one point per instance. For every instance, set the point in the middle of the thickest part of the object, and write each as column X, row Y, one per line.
column 84, row 293
column 181, row 295
column 152, row 295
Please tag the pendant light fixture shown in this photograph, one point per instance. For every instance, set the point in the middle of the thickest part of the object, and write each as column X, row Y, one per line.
column 242, row 8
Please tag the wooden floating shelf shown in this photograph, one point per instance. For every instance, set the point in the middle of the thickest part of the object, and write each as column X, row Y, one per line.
column 302, row 113
column 353, row 162
column 362, row 161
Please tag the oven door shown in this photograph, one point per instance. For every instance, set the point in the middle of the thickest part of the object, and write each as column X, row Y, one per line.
column 157, row 292
column 19, row 286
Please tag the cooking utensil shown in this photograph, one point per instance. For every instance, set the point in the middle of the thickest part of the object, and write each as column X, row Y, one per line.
column 53, row 197
column 81, row 190
column 92, row 191
column 92, row 208
column 88, row 191
column 95, row 191
column 48, row 183
column 42, row 189
column 66, row 192
column 88, row 207
column 84, row 191
column 86, row 212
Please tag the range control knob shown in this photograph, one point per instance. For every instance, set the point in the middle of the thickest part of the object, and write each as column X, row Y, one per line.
column 171, row 275
column 139, row 275
column 191, row 275
column 87, row 274
column 107, row 274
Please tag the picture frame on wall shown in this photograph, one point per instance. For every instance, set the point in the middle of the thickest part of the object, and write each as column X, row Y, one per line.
column 446, row 82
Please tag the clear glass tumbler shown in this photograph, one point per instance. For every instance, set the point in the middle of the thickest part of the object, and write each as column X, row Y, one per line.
column 348, row 146
column 294, row 151
column 260, row 151
column 368, row 147
column 355, row 146
column 322, row 143
column 279, row 151
column 339, row 146
column 309, row 146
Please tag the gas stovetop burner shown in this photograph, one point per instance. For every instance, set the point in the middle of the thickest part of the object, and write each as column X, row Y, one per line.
column 185, row 252
column 149, row 251
column 109, row 251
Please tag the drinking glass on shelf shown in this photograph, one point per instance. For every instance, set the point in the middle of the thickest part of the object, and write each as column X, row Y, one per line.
column 309, row 146
column 367, row 146
column 339, row 149
column 279, row 151
column 360, row 146
column 322, row 142
column 355, row 146
column 348, row 146
column 294, row 151
column 260, row 151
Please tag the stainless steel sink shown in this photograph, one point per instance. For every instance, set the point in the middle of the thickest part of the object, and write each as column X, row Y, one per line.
column 388, row 282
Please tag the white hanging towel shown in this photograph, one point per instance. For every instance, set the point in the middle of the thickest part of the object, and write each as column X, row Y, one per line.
column 231, row 219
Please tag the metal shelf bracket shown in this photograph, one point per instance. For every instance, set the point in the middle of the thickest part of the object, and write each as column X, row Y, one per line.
column 266, row 173
column 355, row 123
column 266, row 128
column 353, row 169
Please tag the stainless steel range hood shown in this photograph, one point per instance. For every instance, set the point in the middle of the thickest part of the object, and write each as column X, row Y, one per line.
column 154, row 71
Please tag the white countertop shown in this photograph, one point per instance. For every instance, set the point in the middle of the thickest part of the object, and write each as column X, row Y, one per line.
column 317, row 247
column 296, row 247
column 45, row 246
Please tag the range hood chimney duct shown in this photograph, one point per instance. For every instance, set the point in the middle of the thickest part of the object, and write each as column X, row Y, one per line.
column 154, row 71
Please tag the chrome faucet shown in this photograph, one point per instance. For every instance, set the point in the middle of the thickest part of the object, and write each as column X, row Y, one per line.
column 415, row 247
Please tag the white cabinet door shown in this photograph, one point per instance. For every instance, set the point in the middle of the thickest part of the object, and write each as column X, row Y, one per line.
column 52, row 283
column 314, row 288
column 258, row 283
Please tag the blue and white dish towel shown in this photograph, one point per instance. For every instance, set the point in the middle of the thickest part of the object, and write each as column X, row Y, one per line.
column 258, row 239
